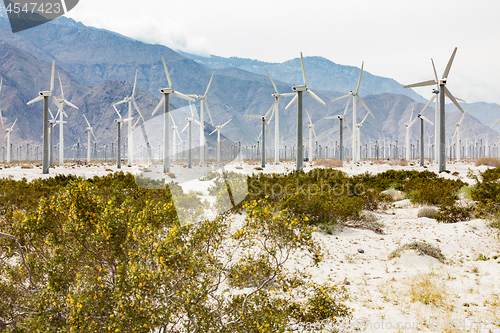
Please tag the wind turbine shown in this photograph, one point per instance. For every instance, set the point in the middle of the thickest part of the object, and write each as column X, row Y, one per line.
column 443, row 91
column 422, row 119
column 298, row 97
column 457, row 134
column 166, row 125
column 263, row 134
column 498, row 122
column 45, row 95
column 176, row 131
column 131, row 101
column 275, row 112
column 217, row 129
column 1, row 117
column 61, row 121
column 311, row 131
column 358, row 132
column 119, row 122
column 89, row 131
column 342, row 118
column 189, row 126
column 203, row 101
column 407, row 138
column 354, row 95
column 8, row 140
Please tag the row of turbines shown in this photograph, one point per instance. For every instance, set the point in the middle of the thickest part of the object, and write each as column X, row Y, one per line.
column 355, row 151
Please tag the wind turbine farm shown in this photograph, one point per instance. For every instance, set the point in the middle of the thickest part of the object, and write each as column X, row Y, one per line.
column 209, row 217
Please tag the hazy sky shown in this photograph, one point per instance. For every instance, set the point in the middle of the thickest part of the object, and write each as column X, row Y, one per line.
column 395, row 38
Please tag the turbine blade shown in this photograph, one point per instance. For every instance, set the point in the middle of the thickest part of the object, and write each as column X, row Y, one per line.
column 137, row 108
column 461, row 119
column 191, row 109
column 421, row 84
column 60, row 83
column 498, row 122
column 314, row 132
column 450, row 62
column 209, row 83
column 39, row 98
column 54, row 100
column 12, row 127
column 347, row 106
column 426, row 119
column 435, row 73
column 127, row 119
column 347, row 125
column 71, row 104
column 252, row 116
column 450, row 96
column 227, row 122
column 121, row 102
column 303, row 69
column 86, row 120
column 313, row 95
column 214, row 131
column 135, row 84
column 185, row 127
column 271, row 109
column 1, row 83
column 208, row 111
column 268, row 130
column 310, row 121
column 119, row 115
column 339, row 98
column 292, row 101
column 413, row 121
column 52, row 75
column 166, row 72
column 159, row 105
column 275, row 89
column 428, row 103
column 173, row 121
column 286, row 94
column 366, row 107
column 411, row 115
column 178, row 94
column 360, row 75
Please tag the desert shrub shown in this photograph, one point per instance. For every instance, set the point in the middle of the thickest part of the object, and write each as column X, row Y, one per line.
column 489, row 161
column 321, row 209
column 333, row 163
column 421, row 248
column 486, row 192
column 250, row 272
column 435, row 191
column 427, row 288
column 429, row 212
column 369, row 221
column 454, row 213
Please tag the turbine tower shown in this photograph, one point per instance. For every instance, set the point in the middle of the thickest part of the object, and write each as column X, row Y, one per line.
column 45, row 95
column 8, row 140
column 298, row 97
column 166, row 125
column 89, row 131
column 61, row 121
column 407, row 138
column 1, row 117
column 311, row 132
column 457, row 134
column 440, row 121
column 119, row 122
column 354, row 95
column 203, row 101
column 189, row 126
column 131, row 101
column 275, row 113
column 342, row 118
column 263, row 134
column 217, row 129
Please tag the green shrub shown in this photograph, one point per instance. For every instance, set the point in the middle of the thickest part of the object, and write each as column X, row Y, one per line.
column 454, row 214
column 429, row 212
column 486, row 192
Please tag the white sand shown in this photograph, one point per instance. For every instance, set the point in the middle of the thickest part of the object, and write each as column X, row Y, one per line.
column 466, row 290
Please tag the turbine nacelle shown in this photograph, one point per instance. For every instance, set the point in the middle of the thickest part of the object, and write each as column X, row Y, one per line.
column 45, row 93
column 299, row 88
column 166, row 91
column 435, row 91
column 442, row 82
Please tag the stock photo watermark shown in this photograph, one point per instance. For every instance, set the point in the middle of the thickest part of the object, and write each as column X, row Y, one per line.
column 27, row 14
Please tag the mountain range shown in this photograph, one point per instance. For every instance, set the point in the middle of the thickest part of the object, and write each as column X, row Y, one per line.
column 97, row 68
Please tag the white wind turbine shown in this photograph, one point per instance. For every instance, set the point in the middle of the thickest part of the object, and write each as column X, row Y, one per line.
column 8, row 140
column 203, row 101
column 440, row 120
column 457, row 134
column 176, row 131
column 131, row 101
column 189, row 126
column 342, row 118
column 166, row 124
column 358, row 133
column 119, row 122
column 275, row 113
column 354, row 95
column 298, row 97
column 45, row 95
column 217, row 129
column 1, row 117
column 407, row 138
column 422, row 119
column 263, row 134
column 89, row 131
column 311, row 132
column 61, row 121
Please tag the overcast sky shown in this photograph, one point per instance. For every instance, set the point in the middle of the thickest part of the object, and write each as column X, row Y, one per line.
column 395, row 38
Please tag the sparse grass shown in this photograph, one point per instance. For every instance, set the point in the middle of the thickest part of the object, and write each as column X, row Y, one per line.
column 429, row 212
column 421, row 248
column 426, row 288
column 334, row 163
column 488, row 161
column 399, row 162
